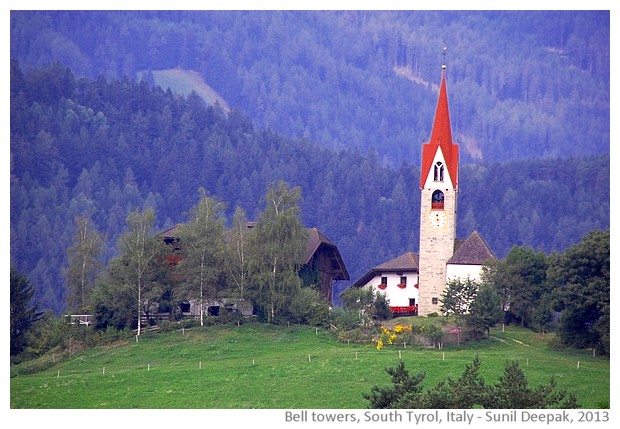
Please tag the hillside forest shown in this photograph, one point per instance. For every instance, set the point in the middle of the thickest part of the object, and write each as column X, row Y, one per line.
column 336, row 103
column 103, row 149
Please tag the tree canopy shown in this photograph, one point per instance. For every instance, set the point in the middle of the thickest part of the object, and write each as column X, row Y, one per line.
column 104, row 148
column 582, row 288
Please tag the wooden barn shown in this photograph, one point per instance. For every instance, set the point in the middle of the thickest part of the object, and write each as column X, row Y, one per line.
column 322, row 263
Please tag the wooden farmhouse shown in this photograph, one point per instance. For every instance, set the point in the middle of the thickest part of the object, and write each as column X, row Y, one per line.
column 323, row 256
column 322, row 260
column 414, row 284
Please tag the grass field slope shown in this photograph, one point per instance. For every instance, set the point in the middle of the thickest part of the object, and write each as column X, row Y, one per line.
column 184, row 82
column 276, row 367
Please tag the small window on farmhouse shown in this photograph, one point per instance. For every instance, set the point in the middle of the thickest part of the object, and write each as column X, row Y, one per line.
column 411, row 302
column 403, row 280
column 435, row 301
column 438, row 172
column 383, row 280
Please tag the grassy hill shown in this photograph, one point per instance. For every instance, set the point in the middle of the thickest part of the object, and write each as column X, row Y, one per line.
column 263, row 366
column 186, row 81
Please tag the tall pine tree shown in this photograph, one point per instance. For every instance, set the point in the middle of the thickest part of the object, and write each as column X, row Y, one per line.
column 22, row 312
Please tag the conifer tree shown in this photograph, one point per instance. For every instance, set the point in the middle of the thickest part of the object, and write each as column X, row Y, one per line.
column 513, row 391
column 465, row 392
column 406, row 392
column 485, row 310
column 23, row 312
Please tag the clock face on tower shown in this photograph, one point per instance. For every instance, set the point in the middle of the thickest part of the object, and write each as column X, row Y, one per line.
column 437, row 219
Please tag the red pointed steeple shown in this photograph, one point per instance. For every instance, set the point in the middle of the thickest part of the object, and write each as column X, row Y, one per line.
column 441, row 137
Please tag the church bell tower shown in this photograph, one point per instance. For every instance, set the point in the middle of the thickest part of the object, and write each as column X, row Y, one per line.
column 439, row 191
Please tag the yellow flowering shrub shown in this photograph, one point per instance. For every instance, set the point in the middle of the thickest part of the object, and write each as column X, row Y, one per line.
column 387, row 336
column 402, row 328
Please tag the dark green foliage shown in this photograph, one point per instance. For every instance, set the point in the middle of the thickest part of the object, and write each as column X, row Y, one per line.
column 542, row 316
column 111, row 147
column 346, row 320
column 368, row 305
column 520, row 282
column 581, row 280
column 23, row 312
column 485, row 310
column 467, row 391
column 512, row 391
column 46, row 333
column 544, row 94
column 406, row 391
column 306, row 307
column 381, row 307
column 135, row 271
column 358, row 299
column 113, row 306
column 310, row 276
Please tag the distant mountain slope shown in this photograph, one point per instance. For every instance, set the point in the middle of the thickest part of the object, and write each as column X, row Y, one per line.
column 99, row 148
column 184, row 82
column 522, row 84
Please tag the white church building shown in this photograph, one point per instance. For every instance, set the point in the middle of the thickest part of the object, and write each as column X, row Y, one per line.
column 414, row 284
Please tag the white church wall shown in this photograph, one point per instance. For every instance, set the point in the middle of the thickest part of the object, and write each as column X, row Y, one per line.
column 397, row 296
column 463, row 271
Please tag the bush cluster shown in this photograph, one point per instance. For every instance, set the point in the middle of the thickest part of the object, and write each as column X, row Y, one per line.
column 470, row 390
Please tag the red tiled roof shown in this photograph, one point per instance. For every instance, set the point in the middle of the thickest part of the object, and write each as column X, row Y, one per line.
column 441, row 137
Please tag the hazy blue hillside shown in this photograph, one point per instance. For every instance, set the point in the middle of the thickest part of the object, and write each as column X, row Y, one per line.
column 337, row 103
column 102, row 148
column 522, row 83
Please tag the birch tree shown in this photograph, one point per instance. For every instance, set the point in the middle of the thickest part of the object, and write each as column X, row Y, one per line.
column 137, row 266
column 84, row 263
column 202, row 242
column 279, row 242
column 238, row 253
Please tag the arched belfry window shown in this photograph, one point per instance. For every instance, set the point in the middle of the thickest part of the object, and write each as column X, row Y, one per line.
column 437, row 200
column 438, row 172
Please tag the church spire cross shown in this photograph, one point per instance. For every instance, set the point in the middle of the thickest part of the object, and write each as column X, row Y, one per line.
column 443, row 65
column 441, row 137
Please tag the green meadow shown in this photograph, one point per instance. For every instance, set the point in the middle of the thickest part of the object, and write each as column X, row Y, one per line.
column 267, row 367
